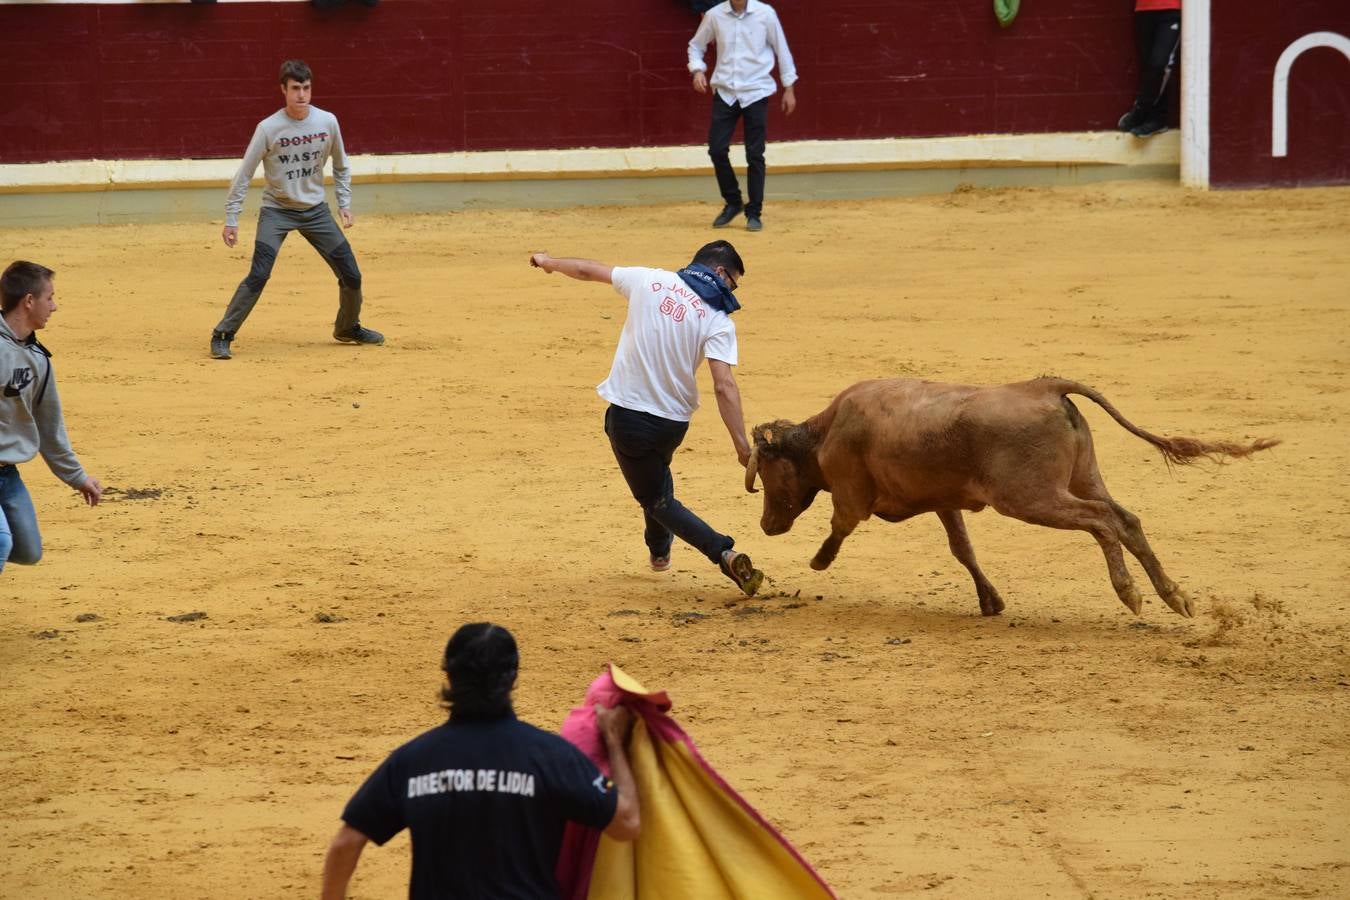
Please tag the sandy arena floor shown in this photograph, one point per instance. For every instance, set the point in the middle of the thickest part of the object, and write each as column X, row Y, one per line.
column 337, row 511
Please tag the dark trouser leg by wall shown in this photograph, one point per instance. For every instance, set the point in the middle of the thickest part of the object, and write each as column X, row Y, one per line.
column 756, row 136
column 272, row 230
column 323, row 233
column 643, row 445
column 1157, row 35
column 719, row 148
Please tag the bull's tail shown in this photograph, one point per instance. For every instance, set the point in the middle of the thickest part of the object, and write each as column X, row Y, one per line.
column 1181, row 450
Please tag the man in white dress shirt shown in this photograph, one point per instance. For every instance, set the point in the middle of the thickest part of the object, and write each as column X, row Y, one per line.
column 749, row 39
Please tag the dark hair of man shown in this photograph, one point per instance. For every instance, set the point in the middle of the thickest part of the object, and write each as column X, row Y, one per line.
column 295, row 70
column 22, row 278
column 720, row 253
column 481, row 662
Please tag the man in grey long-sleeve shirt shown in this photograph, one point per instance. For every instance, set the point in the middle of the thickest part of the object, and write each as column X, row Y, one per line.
column 293, row 144
column 30, row 411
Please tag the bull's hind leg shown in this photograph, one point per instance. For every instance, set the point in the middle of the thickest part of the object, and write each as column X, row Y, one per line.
column 991, row 604
column 1096, row 518
column 1091, row 487
column 1132, row 536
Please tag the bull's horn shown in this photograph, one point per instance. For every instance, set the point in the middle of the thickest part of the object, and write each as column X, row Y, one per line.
column 751, row 470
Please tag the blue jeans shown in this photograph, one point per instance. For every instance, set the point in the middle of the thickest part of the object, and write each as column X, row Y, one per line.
column 20, row 540
column 644, row 444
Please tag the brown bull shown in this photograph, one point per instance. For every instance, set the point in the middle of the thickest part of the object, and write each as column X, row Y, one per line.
column 901, row 447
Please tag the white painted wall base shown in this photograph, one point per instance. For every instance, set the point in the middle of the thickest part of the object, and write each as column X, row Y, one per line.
column 115, row 192
column 1088, row 148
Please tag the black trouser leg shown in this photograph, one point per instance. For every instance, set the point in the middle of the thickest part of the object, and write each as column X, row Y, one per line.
column 719, row 148
column 1157, row 35
column 756, row 136
column 644, row 444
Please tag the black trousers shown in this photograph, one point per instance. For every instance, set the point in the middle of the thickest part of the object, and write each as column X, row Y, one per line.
column 756, row 118
column 1157, row 35
column 644, row 444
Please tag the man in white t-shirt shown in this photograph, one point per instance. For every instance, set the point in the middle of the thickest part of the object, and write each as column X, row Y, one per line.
column 675, row 321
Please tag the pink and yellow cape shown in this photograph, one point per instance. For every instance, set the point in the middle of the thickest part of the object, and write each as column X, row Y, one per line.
column 699, row 839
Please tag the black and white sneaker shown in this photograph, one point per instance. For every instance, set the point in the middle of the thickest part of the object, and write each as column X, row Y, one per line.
column 359, row 335
column 220, row 344
column 1149, row 128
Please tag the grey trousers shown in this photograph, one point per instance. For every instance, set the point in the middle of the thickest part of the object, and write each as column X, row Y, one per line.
column 318, row 227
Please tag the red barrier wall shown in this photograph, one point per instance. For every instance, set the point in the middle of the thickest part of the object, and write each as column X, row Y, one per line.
column 183, row 80
column 1246, row 43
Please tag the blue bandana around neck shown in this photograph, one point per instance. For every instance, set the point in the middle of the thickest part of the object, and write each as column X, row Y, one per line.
column 710, row 288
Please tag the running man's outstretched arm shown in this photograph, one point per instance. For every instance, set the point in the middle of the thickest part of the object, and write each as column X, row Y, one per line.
column 580, row 269
column 729, row 405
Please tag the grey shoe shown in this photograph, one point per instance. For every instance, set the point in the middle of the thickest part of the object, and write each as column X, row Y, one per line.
column 752, row 223
column 359, row 335
column 220, row 344
column 729, row 212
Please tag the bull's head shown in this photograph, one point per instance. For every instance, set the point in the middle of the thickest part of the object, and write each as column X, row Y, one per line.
column 784, row 460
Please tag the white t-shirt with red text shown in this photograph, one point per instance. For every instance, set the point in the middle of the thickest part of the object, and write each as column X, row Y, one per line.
column 667, row 335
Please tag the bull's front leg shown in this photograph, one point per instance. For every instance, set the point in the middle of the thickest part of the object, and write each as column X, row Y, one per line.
column 991, row 604
column 842, row 524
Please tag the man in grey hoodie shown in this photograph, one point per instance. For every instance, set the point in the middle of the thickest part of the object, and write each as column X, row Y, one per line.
column 30, row 410
column 293, row 144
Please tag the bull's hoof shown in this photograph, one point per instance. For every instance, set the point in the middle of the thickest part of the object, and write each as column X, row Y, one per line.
column 820, row 564
column 1180, row 603
column 1133, row 602
column 991, row 607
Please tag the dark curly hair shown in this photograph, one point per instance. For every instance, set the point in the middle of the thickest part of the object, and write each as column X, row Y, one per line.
column 481, row 661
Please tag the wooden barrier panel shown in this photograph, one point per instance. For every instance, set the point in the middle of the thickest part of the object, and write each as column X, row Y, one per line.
column 1279, row 99
column 129, row 81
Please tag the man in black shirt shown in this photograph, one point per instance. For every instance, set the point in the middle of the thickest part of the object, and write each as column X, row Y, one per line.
column 485, row 795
